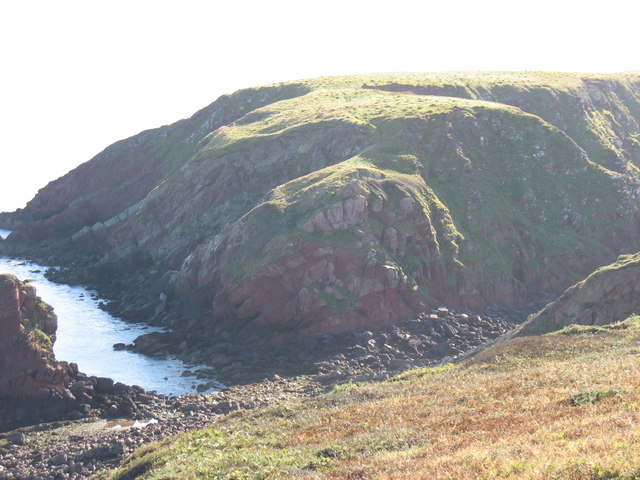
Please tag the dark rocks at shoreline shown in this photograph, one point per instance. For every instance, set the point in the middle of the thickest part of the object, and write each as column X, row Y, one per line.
column 435, row 336
column 243, row 358
column 85, row 397
column 79, row 449
column 237, row 359
column 34, row 387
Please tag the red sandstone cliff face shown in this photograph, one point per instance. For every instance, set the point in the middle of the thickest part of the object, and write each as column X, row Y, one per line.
column 31, row 381
column 365, row 246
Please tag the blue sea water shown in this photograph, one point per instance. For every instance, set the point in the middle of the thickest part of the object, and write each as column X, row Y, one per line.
column 86, row 335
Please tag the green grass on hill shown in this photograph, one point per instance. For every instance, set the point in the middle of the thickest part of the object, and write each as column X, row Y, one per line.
column 351, row 105
column 560, row 406
column 477, row 169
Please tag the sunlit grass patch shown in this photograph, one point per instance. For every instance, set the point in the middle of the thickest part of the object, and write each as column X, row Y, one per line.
column 556, row 406
column 347, row 387
column 631, row 322
column 418, row 373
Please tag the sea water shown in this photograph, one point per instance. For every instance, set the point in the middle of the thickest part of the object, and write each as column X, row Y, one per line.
column 86, row 335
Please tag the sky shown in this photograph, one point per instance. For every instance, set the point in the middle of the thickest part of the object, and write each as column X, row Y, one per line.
column 77, row 76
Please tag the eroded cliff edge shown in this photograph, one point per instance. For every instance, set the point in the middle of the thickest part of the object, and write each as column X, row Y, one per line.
column 32, row 383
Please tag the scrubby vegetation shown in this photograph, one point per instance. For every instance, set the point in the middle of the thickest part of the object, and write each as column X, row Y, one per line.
column 552, row 407
column 37, row 323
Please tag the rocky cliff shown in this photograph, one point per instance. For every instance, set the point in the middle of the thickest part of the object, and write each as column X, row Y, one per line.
column 32, row 383
column 608, row 295
column 34, row 387
column 350, row 202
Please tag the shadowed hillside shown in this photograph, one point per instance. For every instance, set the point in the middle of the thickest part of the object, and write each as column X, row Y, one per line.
column 608, row 295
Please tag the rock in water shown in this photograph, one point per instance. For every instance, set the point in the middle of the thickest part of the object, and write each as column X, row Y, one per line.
column 32, row 384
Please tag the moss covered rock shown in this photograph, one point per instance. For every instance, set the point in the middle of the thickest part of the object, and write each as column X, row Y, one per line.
column 32, row 383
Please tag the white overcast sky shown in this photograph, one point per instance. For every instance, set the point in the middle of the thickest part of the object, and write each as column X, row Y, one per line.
column 78, row 75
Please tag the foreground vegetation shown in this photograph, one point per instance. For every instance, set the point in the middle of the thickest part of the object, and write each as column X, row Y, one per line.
column 561, row 406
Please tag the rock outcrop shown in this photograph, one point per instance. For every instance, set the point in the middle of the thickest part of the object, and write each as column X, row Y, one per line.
column 34, row 387
column 355, row 202
column 32, row 383
column 608, row 295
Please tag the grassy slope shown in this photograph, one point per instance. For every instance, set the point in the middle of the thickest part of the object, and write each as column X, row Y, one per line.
column 338, row 103
column 497, row 143
column 565, row 100
column 541, row 322
column 622, row 262
column 561, row 406
column 294, row 202
column 539, row 93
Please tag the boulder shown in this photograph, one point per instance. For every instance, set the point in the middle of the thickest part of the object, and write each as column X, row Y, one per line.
column 151, row 343
column 104, row 385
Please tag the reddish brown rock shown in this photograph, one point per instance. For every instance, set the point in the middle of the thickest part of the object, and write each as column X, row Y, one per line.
column 99, row 192
column 32, row 383
column 269, row 218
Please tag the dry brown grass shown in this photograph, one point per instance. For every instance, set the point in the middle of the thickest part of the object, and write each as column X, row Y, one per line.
column 504, row 414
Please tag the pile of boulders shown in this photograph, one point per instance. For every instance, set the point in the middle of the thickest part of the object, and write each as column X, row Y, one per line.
column 438, row 335
column 77, row 449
